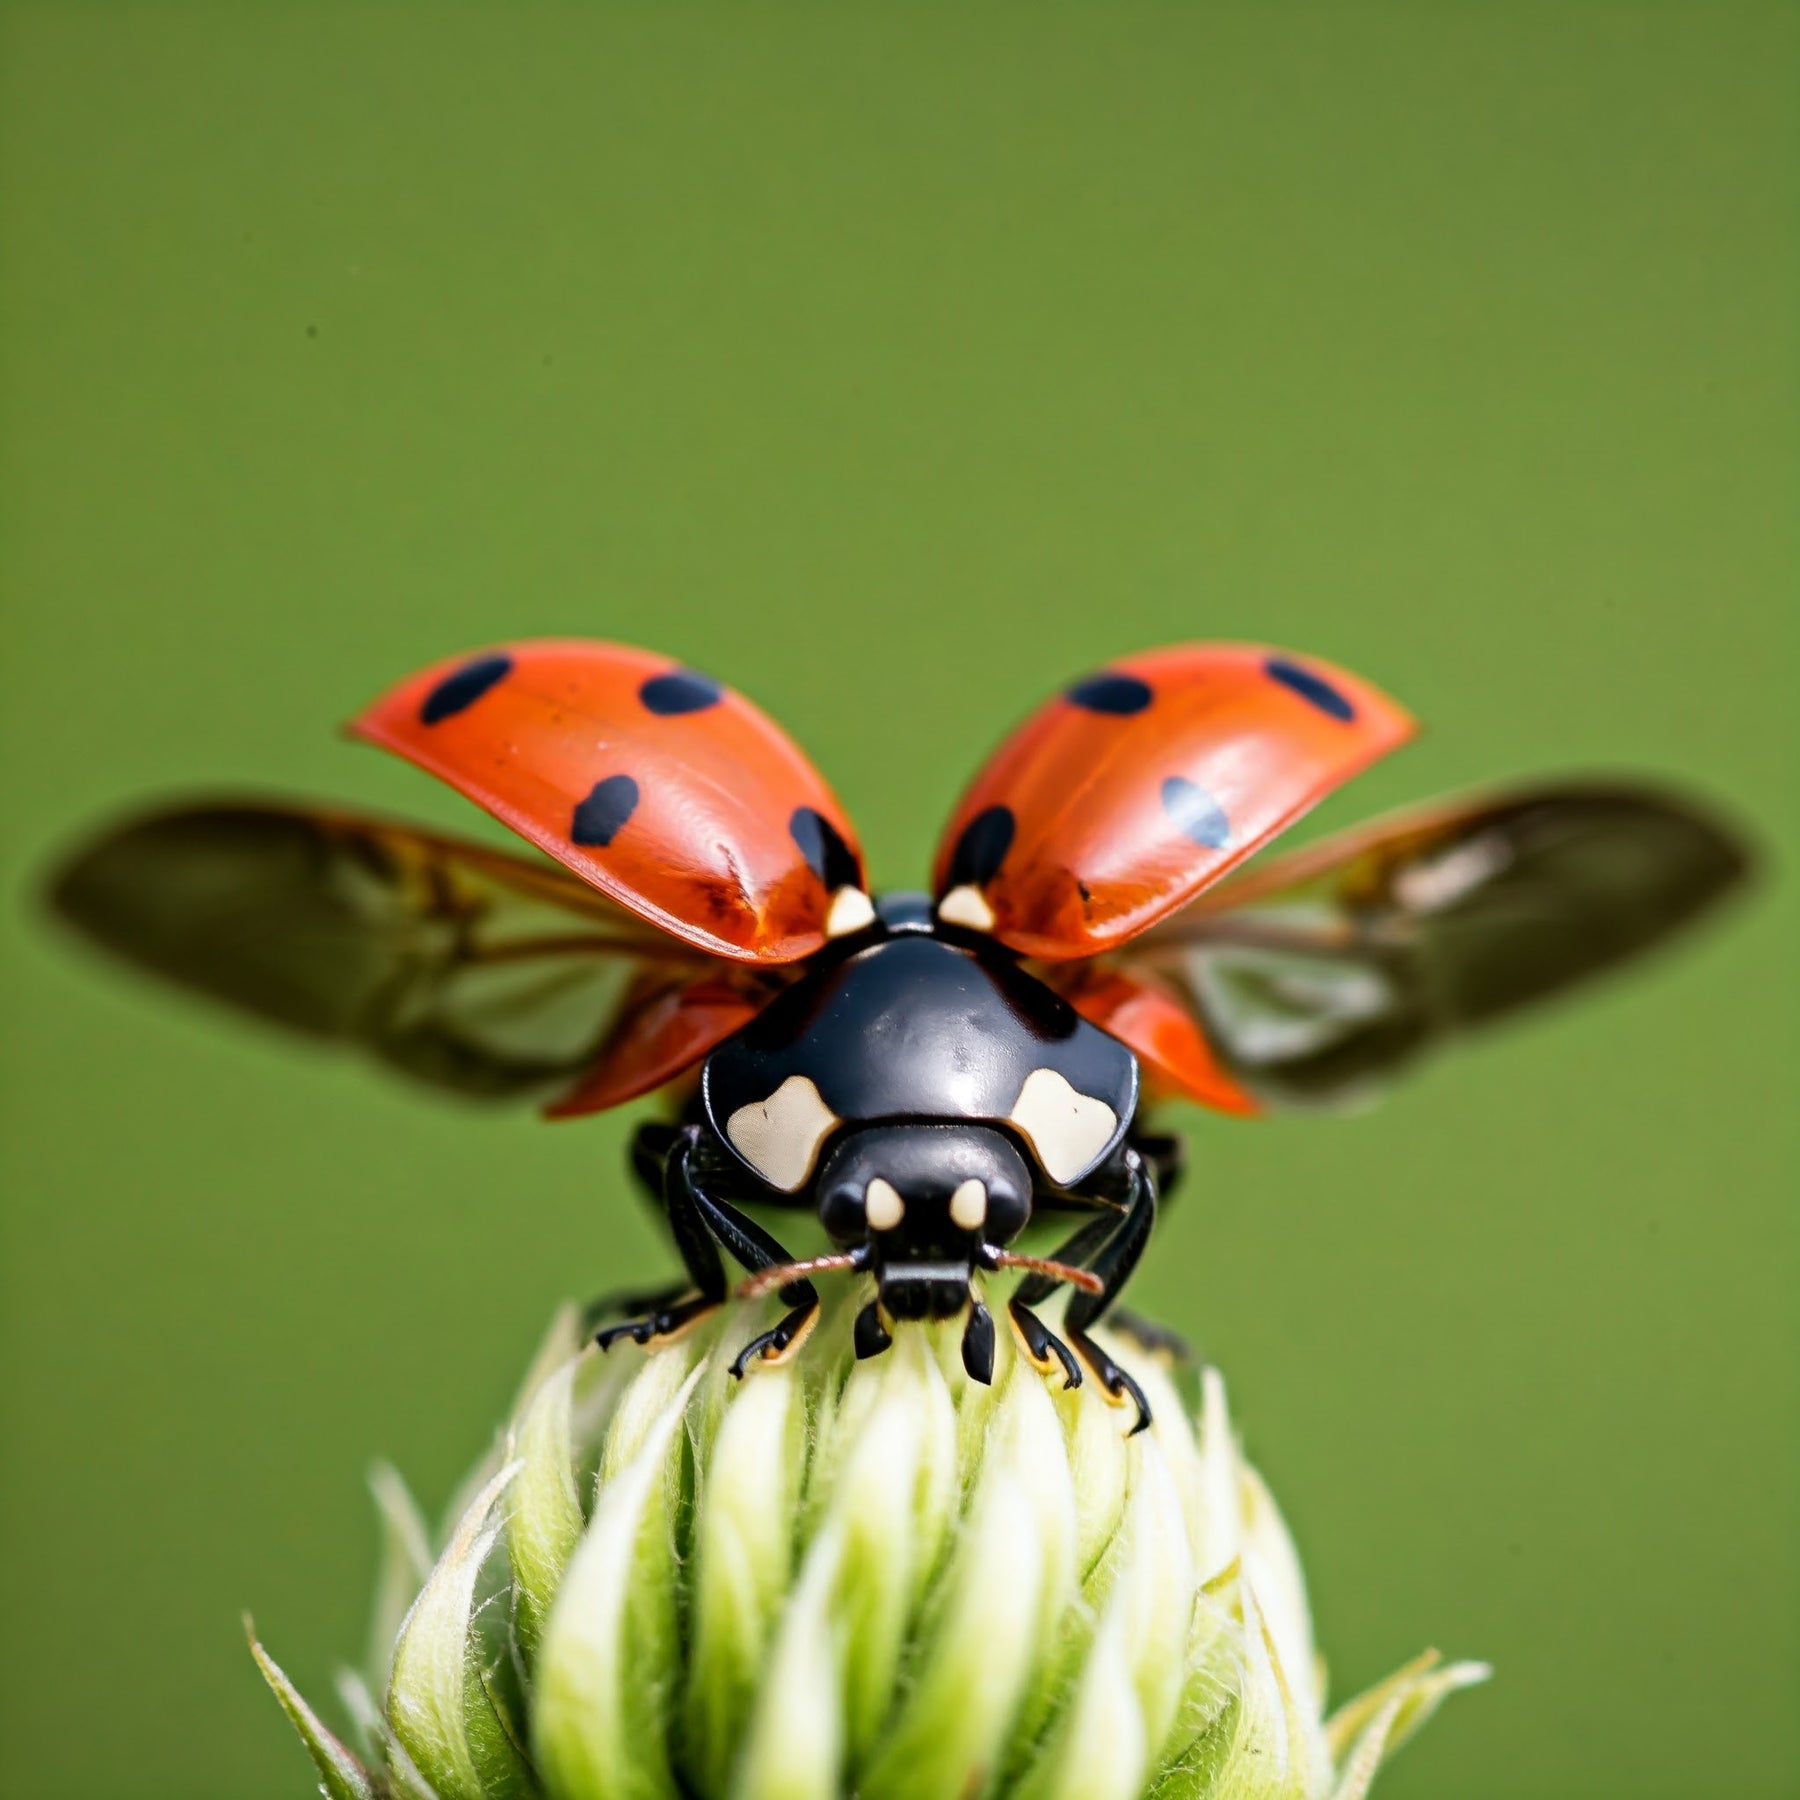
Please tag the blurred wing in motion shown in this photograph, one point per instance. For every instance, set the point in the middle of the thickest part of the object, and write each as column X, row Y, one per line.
column 1120, row 800
column 1313, row 980
column 471, row 970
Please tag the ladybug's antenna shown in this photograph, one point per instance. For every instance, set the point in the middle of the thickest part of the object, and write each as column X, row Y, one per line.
column 765, row 1281
column 1085, row 1279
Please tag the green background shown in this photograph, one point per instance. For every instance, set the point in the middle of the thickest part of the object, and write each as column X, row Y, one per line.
column 896, row 367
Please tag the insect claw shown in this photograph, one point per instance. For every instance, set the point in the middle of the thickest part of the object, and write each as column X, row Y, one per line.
column 661, row 1327
column 1116, row 1386
column 637, row 1330
column 780, row 1342
column 1044, row 1350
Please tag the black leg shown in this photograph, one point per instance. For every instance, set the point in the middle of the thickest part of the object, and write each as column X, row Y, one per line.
column 701, row 1222
column 1166, row 1153
column 781, row 1341
column 647, row 1159
column 1042, row 1345
column 750, row 1245
column 1114, row 1264
column 1076, row 1250
column 699, row 1252
column 756, row 1249
column 649, row 1155
column 628, row 1303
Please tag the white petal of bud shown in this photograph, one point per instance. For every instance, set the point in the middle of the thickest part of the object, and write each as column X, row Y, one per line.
column 606, row 1665
column 440, row 1710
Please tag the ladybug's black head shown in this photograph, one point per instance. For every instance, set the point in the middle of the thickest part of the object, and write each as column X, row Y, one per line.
column 920, row 1202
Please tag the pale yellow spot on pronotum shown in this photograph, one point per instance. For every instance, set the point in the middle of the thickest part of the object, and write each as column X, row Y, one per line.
column 851, row 910
column 882, row 1205
column 779, row 1137
column 1066, row 1129
column 966, row 906
column 968, row 1205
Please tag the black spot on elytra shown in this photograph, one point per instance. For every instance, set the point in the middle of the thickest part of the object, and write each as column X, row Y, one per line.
column 1310, row 687
column 826, row 853
column 458, row 691
column 679, row 691
column 982, row 848
column 1195, row 813
column 1110, row 692
column 602, row 815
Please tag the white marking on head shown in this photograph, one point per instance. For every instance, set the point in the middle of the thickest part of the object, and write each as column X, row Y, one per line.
column 882, row 1205
column 779, row 1137
column 851, row 910
column 968, row 906
column 1067, row 1130
column 968, row 1205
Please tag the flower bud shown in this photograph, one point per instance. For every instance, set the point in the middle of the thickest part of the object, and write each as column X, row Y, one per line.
column 837, row 1577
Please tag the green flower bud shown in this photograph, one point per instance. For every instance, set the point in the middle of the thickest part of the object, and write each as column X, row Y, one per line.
column 835, row 1578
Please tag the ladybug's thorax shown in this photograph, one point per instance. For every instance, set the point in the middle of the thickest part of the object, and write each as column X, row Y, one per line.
column 916, row 1028
column 904, row 913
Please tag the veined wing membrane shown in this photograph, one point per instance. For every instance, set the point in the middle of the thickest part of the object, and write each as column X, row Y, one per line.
column 1318, row 976
column 466, row 968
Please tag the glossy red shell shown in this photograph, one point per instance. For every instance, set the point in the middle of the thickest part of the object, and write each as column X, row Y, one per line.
column 666, row 791
column 1123, row 798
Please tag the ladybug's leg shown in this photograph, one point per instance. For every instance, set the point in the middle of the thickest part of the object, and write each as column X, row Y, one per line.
column 1166, row 1152
column 1114, row 1264
column 781, row 1340
column 671, row 1312
column 701, row 1222
column 629, row 1303
column 1041, row 1344
column 757, row 1249
column 650, row 1146
column 647, row 1160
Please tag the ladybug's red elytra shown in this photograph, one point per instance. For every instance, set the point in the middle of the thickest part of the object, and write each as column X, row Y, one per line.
column 930, row 1074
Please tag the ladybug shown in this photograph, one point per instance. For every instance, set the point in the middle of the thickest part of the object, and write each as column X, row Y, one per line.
column 929, row 1074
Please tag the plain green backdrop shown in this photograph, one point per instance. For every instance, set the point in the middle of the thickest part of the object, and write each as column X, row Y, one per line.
column 896, row 365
